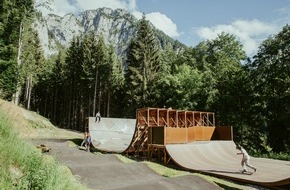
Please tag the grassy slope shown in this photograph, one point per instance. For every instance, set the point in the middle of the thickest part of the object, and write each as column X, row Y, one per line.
column 31, row 125
column 22, row 166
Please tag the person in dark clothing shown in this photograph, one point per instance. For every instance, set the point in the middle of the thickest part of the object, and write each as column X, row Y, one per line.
column 88, row 142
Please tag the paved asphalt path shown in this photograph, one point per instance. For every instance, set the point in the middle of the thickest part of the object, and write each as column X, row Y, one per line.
column 106, row 171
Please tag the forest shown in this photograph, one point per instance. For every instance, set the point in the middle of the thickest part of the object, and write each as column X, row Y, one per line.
column 251, row 94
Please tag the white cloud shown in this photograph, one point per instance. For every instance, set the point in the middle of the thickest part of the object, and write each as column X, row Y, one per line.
column 159, row 20
column 162, row 22
column 58, row 7
column 129, row 5
column 62, row 7
column 249, row 33
column 137, row 14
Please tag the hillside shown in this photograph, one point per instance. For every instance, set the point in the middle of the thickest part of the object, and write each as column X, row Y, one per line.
column 31, row 125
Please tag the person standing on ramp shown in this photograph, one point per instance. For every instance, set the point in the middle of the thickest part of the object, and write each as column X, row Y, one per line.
column 98, row 117
column 88, row 142
column 245, row 160
column 84, row 140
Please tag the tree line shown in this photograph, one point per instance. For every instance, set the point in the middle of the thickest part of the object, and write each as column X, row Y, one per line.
column 250, row 94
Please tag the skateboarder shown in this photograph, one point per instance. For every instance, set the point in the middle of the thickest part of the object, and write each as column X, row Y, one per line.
column 98, row 116
column 85, row 137
column 245, row 160
column 88, row 142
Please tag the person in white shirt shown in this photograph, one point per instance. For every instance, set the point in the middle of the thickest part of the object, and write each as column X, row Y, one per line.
column 98, row 117
column 246, row 159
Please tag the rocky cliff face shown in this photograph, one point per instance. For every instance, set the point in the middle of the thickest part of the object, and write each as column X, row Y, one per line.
column 117, row 27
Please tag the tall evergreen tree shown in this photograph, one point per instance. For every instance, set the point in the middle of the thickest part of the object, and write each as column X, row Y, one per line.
column 115, row 78
column 32, row 63
column 90, row 71
column 14, row 13
column 74, row 62
column 101, row 75
column 143, row 66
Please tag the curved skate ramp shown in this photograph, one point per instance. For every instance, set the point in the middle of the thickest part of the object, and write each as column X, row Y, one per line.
column 112, row 134
column 220, row 158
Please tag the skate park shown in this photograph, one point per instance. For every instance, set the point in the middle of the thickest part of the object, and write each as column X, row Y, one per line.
column 189, row 139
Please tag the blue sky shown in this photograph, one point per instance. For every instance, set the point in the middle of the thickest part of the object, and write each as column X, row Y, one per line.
column 192, row 21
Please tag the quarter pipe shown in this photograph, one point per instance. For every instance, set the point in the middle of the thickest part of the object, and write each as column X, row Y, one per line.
column 214, row 157
column 112, row 134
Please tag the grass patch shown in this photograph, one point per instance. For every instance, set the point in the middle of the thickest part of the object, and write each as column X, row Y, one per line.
column 165, row 171
column 170, row 172
column 125, row 159
column 22, row 166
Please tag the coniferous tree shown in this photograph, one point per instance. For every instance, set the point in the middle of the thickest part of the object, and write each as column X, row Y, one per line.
column 115, row 78
column 89, row 72
column 74, row 62
column 32, row 63
column 143, row 67
column 101, row 56
column 14, row 13
column 56, row 84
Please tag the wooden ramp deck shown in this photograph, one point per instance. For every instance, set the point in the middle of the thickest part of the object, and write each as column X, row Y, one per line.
column 214, row 157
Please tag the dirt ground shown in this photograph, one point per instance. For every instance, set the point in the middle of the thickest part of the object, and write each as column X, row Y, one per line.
column 107, row 171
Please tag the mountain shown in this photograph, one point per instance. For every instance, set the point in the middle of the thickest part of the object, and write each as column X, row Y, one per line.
column 117, row 27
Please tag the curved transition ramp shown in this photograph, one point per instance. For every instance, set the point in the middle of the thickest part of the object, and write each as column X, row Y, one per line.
column 220, row 158
column 190, row 139
column 112, row 134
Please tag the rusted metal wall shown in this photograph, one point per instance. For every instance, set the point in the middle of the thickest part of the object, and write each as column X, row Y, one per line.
column 223, row 133
column 162, row 126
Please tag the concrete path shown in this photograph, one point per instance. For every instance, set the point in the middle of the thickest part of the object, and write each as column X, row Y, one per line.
column 106, row 171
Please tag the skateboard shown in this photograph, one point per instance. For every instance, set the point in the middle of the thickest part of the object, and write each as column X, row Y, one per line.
column 247, row 173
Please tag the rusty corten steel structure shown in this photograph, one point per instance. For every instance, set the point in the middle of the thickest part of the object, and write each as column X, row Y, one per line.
column 157, row 127
column 188, row 138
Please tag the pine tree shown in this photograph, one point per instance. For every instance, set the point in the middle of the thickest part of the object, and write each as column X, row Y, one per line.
column 32, row 63
column 143, row 66
column 74, row 62
column 14, row 13
column 115, row 77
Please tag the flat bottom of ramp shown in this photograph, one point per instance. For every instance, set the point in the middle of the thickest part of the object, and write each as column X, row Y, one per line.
column 220, row 158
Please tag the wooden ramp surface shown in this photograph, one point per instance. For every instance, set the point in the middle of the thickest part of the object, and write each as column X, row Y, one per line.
column 220, row 158
column 212, row 157
column 112, row 134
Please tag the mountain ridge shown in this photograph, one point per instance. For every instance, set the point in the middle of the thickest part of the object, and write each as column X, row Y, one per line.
column 117, row 27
